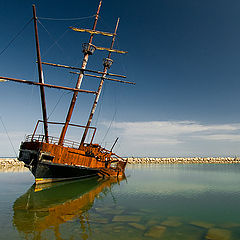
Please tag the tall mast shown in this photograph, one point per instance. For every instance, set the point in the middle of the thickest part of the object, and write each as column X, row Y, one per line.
column 40, row 76
column 107, row 64
column 87, row 51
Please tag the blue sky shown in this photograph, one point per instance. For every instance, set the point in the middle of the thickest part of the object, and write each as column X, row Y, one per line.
column 183, row 55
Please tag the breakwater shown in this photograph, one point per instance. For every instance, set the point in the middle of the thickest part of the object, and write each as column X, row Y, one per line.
column 11, row 165
column 181, row 160
column 12, row 162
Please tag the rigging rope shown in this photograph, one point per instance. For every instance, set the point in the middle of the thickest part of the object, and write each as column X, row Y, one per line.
column 55, row 41
column 114, row 115
column 66, row 19
column 13, row 39
column 63, row 94
column 100, row 106
column 8, row 136
column 109, row 127
column 57, row 104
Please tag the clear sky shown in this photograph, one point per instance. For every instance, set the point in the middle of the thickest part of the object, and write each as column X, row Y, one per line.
column 183, row 55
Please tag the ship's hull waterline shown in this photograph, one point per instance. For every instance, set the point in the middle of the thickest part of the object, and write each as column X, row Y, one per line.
column 46, row 172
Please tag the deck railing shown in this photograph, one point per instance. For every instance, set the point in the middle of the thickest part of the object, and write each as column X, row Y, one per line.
column 69, row 143
column 54, row 138
column 51, row 140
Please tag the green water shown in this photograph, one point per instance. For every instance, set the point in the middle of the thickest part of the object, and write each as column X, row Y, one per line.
column 153, row 202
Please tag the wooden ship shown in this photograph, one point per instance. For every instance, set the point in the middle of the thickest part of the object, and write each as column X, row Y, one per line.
column 52, row 158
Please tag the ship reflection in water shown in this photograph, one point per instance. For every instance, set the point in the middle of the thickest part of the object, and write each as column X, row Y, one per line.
column 47, row 206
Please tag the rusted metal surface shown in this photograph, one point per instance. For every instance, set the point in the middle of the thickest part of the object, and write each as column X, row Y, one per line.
column 79, row 81
column 46, row 85
column 40, row 75
column 89, row 155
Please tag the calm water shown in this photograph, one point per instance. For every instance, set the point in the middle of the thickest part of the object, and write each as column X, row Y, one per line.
column 154, row 202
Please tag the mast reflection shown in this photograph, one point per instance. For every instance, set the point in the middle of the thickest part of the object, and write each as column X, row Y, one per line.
column 46, row 207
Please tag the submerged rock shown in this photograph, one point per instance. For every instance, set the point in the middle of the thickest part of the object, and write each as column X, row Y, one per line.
column 146, row 210
column 112, row 226
column 137, row 226
column 112, row 211
column 230, row 225
column 155, row 232
column 202, row 224
column 152, row 222
column 171, row 223
column 98, row 220
column 218, row 234
column 126, row 218
column 185, row 232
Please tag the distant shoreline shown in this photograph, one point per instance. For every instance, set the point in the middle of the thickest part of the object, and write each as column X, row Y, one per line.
column 10, row 162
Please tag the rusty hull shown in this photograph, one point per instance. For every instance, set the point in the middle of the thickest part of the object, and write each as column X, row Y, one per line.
column 91, row 156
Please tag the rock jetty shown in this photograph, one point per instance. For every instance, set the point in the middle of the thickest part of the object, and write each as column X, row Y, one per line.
column 181, row 160
column 10, row 162
column 11, row 165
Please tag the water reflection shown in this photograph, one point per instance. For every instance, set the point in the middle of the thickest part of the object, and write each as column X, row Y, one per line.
column 46, row 207
column 158, row 202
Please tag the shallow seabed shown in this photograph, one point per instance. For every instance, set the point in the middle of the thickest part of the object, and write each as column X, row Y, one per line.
column 153, row 202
